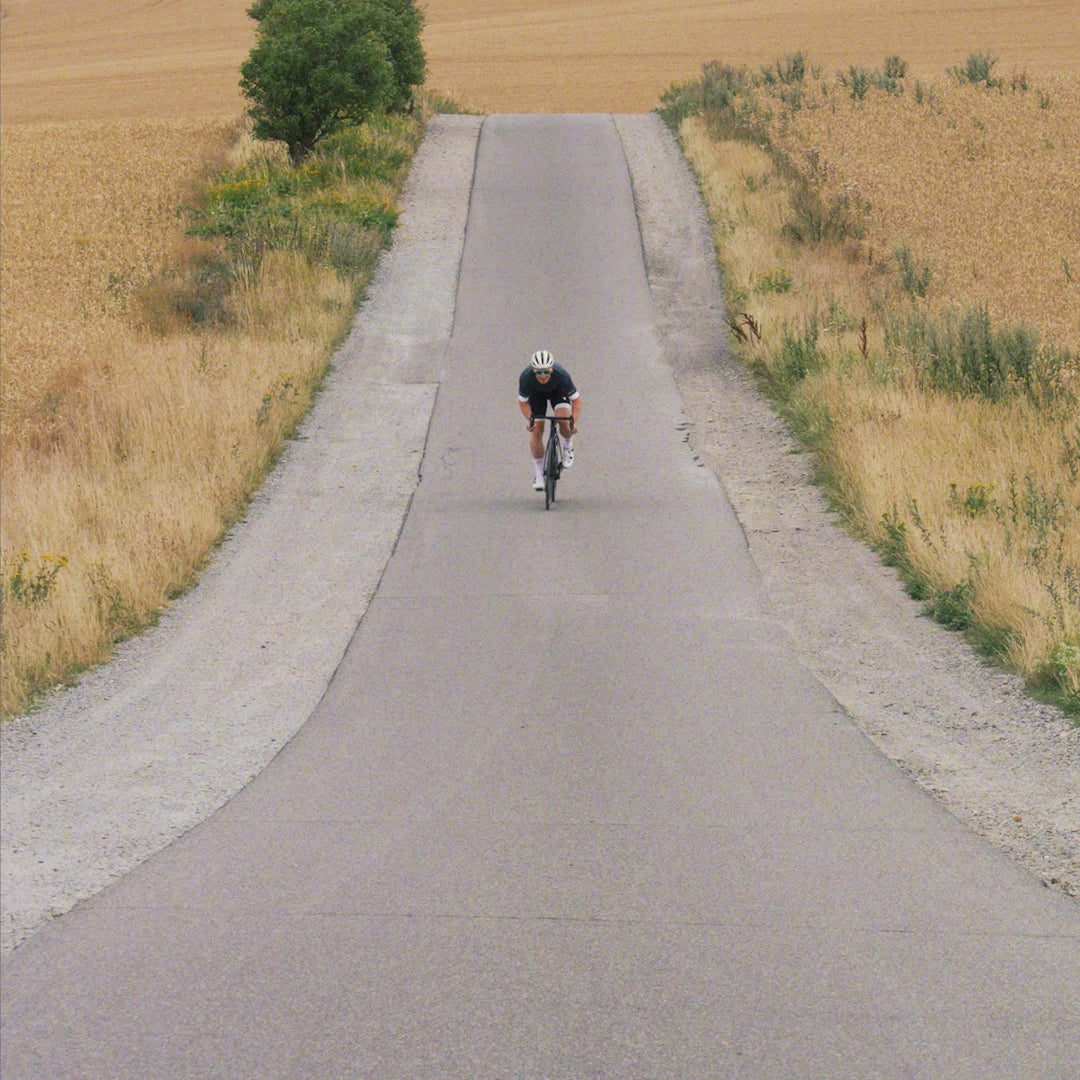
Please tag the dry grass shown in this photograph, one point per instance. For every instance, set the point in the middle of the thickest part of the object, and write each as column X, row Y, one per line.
column 979, row 501
column 989, row 513
column 131, row 439
column 150, row 456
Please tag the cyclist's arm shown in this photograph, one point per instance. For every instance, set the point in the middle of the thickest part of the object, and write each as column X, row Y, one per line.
column 526, row 409
column 575, row 409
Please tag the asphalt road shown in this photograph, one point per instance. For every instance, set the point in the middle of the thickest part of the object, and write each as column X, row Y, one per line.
column 570, row 807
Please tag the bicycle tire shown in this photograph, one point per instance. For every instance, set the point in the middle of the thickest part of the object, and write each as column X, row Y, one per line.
column 551, row 470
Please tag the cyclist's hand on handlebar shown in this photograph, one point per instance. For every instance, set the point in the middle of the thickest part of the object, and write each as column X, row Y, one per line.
column 532, row 422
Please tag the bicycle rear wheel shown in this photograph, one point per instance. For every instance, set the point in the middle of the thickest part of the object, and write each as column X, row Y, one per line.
column 552, row 466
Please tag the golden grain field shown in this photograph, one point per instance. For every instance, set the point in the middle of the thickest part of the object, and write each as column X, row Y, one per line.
column 122, row 59
column 983, row 185
column 90, row 216
column 145, row 59
column 619, row 55
column 111, row 441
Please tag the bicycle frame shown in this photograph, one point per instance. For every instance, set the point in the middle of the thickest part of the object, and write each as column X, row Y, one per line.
column 553, row 454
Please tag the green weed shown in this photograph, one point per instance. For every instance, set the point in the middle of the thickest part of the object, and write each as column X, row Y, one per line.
column 775, row 281
column 952, row 607
column 118, row 614
column 1070, row 452
column 914, row 278
column 975, row 501
column 859, row 81
column 978, row 70
column 30, row 584
column 963, row 353
column 894, row 547
column 799, row 355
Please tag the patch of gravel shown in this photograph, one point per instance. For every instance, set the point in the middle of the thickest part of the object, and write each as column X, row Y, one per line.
column 144, row 748
column 964, row 731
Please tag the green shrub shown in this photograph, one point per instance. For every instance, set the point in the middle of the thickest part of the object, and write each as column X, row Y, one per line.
column 890, row 79
column 679, row 101
column 857, row 80
column 1055, row 677
column 816, row 218
column 723, row 96
column 952, row 607
column 788, row 71
column 335, row 208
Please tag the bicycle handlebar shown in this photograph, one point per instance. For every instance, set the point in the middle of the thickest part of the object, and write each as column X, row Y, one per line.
column 555, row 416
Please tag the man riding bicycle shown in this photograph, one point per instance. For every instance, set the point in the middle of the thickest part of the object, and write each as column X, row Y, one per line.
column 541, row 382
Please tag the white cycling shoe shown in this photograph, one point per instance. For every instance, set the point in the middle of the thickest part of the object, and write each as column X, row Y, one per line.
column 538, row 482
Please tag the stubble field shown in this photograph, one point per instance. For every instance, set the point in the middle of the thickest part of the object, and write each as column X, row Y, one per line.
column 106, row 119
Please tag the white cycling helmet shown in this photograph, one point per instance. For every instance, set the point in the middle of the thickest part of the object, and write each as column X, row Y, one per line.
column 542, row 360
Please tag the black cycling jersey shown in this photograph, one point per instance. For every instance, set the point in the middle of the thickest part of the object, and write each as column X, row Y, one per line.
column 560, row 387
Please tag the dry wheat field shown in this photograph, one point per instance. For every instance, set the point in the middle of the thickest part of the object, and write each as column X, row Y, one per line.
column 984, row 186
column 108, row 501
column 619, row 55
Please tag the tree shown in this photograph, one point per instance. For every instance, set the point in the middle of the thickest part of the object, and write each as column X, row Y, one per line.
column 320, row 65
column 399, row 23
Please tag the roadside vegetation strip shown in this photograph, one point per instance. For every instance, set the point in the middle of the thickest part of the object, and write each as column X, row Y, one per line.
column 121, row 472
column 939, row 383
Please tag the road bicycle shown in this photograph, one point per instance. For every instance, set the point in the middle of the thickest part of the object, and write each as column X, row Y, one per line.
column 553, row 455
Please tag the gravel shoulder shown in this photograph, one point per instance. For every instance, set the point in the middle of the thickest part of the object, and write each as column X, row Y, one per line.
column 142, row 749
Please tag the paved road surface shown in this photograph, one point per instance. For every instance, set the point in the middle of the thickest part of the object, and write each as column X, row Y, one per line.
column 569, row 808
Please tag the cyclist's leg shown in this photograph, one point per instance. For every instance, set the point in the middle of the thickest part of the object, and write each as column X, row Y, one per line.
column 553, row 450
column 536, row 441
column 564, row 409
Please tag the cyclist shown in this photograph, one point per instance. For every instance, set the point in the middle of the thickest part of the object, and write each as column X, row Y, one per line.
column 543, row 381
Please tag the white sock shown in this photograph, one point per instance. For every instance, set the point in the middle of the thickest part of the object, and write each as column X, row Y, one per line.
column 538, row 466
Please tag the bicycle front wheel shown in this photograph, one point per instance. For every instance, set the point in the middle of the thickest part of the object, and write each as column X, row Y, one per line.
column 551, row 471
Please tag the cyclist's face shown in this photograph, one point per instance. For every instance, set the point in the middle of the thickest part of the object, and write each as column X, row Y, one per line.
column 543, row 376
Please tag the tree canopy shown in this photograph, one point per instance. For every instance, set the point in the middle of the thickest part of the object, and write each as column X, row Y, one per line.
column 319, row 65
